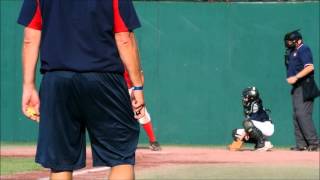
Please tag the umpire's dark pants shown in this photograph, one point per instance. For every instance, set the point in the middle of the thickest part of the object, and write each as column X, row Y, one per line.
column 305, row 132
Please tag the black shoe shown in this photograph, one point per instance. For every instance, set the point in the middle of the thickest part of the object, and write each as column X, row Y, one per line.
column 313, row 148
column 259, row 144
column 154, row 146
column 298, row 148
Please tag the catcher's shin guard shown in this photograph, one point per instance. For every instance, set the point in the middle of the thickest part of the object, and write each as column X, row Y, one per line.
column 236, row 145
column 258, row 136
column 254, row 133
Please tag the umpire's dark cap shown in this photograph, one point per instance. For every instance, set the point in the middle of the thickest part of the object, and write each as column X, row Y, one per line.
column 294, row 35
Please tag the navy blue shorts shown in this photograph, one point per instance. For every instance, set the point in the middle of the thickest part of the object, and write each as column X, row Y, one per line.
column 70, row 104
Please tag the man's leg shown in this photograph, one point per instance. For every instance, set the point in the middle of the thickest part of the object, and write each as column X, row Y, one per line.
column 61, row 143
column 147, row 126
column 62, row 175
column 254, row 133
column 267, row 129
column 300, row 140
column 296, row 103
column 122, row 172
column 149, row 131
column 304, row 119
column 112, row 128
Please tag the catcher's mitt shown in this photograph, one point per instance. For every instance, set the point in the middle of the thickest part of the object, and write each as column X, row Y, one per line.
column 236, row 145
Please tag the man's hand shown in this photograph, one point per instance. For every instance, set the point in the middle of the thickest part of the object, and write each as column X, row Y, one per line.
column 292, row 79
column 30, row 102
column 30, row 51
column 304, row 72
column 242, row 136
column 137, row 100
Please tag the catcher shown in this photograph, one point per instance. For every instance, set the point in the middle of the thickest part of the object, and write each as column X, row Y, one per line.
column 257, row 126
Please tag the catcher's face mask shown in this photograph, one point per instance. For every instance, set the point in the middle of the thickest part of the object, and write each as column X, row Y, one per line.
column 246, row 101
column 291, row 44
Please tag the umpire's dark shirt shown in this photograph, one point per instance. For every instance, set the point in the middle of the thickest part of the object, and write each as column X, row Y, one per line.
column 298, row 59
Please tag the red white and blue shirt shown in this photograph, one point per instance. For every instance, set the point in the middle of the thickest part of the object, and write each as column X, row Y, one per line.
column 78, row 35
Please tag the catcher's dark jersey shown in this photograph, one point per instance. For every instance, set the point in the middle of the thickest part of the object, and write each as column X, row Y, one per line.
column 256, row 112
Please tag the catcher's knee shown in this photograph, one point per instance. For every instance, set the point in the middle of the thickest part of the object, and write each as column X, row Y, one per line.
column 248, row 125
column 268, row 132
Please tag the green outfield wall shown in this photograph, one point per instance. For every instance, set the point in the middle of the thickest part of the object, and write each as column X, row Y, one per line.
column 197, row 58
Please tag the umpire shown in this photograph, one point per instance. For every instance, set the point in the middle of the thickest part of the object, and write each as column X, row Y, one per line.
column 300, row 74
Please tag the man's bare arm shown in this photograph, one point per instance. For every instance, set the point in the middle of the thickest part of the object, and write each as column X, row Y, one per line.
column 128, row 51
column 305, row 71
column 30, row 52
column 129, row 55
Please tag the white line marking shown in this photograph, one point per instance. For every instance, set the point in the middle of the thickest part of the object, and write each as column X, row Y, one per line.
column 85, row 171
column 76, row 173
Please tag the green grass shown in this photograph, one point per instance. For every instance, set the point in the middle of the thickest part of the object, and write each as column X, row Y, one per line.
column 229, row 171
column 12, row 165
column 14, row 144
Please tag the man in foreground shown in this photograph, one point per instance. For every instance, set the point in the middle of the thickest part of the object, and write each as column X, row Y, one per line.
column 84, row 47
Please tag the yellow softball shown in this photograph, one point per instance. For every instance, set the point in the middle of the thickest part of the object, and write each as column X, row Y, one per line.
column 31, row 111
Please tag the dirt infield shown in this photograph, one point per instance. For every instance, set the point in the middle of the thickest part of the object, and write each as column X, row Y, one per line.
column 189, row 158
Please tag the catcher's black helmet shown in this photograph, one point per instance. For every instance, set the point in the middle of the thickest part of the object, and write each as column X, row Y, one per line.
column 249, row 95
